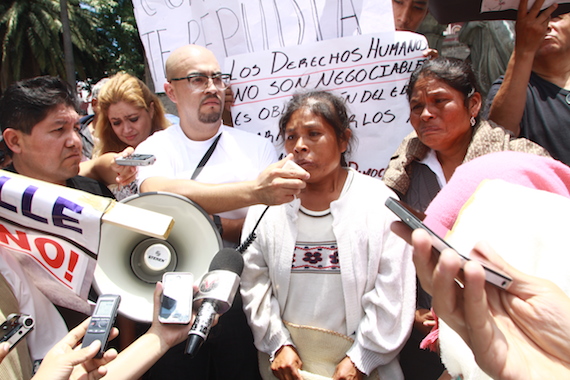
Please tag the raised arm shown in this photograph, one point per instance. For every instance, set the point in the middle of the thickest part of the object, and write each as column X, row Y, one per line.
column 509, row 102
column 272, row 187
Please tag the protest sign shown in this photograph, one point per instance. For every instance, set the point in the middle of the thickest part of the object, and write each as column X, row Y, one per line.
column 230, row 27
column 55, row 226
column 370, row 72
column 54, row 233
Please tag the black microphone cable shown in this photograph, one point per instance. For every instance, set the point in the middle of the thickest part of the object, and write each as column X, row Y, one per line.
column 252, row 236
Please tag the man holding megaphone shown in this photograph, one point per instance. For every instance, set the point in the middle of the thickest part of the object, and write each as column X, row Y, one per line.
column 224, row 170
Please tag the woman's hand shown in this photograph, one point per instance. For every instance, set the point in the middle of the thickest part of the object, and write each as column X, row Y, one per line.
column 169, row 334
column 125, row 174
column 287, row 364
column 522, row 333
column 4, row 350
column 67, row 360
column 346, row 370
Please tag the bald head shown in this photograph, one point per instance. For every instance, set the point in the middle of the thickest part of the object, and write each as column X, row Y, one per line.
column 189, row 58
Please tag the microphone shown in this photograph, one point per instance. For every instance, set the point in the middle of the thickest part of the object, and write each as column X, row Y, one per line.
column 217, row 290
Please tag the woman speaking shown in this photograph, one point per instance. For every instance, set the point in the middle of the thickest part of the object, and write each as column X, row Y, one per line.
column 327, row 288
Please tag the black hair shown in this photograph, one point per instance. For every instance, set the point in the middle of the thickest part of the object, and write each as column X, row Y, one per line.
column 455, row 72
column 27, row 102
column 323, row 104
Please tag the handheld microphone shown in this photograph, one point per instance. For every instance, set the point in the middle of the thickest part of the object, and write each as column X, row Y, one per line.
column 217, row 291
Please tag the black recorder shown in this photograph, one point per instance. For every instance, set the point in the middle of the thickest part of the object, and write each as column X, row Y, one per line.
column 16, row 327
column 492, row 276
column 102, row 321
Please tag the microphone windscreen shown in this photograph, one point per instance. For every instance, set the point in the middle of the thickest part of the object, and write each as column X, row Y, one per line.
column 227, row 259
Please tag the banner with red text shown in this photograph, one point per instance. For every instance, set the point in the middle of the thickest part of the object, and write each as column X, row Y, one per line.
column 54, row 232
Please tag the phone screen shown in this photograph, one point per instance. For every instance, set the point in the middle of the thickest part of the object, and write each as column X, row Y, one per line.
column 176, row 302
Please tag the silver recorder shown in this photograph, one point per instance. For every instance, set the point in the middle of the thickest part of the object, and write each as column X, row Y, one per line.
column 15, row 328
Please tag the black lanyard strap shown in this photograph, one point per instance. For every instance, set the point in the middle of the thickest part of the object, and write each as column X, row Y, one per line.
column 206, row 157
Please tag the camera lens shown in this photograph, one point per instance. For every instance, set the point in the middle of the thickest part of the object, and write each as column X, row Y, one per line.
column 28, row 322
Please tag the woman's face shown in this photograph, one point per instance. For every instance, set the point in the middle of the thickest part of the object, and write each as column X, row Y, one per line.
column 131, row 124
column 314, row 144
column 439, row 116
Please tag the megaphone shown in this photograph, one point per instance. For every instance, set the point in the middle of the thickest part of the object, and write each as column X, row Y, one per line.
column 129, row 263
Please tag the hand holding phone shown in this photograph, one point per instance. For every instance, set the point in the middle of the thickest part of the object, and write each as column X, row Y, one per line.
column 176, row 300
column 16, row 327
column 102, row 321
column 493, row 276
column 136, row 160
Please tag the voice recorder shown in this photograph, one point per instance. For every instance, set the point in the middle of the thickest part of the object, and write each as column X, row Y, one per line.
column 102, row 321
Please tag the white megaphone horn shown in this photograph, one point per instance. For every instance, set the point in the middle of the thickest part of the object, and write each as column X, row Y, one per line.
column 130, row 263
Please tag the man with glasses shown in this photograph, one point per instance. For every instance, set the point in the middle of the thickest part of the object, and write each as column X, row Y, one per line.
column 230, row 179
column 218, row 167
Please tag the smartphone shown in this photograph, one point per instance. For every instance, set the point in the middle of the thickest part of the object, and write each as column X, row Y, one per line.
column 136, row 160
column 176, row 299
column 102, row 321
column 493, row 276
column 15, row 328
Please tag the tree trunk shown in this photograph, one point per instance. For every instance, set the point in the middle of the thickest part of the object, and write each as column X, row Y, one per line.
column 67, row 46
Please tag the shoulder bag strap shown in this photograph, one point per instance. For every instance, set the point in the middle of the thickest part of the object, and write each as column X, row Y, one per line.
column 206, row 157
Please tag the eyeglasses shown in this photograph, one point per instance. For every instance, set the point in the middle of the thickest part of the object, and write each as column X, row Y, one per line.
column 199, row 81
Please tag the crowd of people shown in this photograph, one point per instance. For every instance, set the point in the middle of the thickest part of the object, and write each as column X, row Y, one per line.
column 333, row 286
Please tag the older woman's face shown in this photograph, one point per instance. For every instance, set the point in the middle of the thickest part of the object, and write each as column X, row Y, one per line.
column 439, row 116
column 314, row 144
column 131, row 124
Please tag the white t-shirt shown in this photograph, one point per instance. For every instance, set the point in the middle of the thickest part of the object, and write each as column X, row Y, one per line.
column 316, row 296
column 49, row 327
column 239, row 156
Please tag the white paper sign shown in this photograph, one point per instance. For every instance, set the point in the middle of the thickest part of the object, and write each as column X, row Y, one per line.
column 370, row 72
column 230, row 27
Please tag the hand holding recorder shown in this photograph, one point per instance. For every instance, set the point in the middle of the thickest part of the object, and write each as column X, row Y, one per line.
column 521, row 333
column 66, row 360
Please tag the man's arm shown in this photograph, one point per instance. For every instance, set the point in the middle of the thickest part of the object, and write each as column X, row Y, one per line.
column 508, row 106
column 273, row 186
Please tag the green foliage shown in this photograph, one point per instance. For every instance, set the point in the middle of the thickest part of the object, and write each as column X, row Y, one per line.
column 31, row 39
column 120, row 47
column 103, row 32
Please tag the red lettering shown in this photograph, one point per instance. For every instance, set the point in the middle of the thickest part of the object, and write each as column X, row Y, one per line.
column 57, row 261
column 22, row 239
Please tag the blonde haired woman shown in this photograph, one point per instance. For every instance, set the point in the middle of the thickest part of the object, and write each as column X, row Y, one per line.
column 128, row 112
